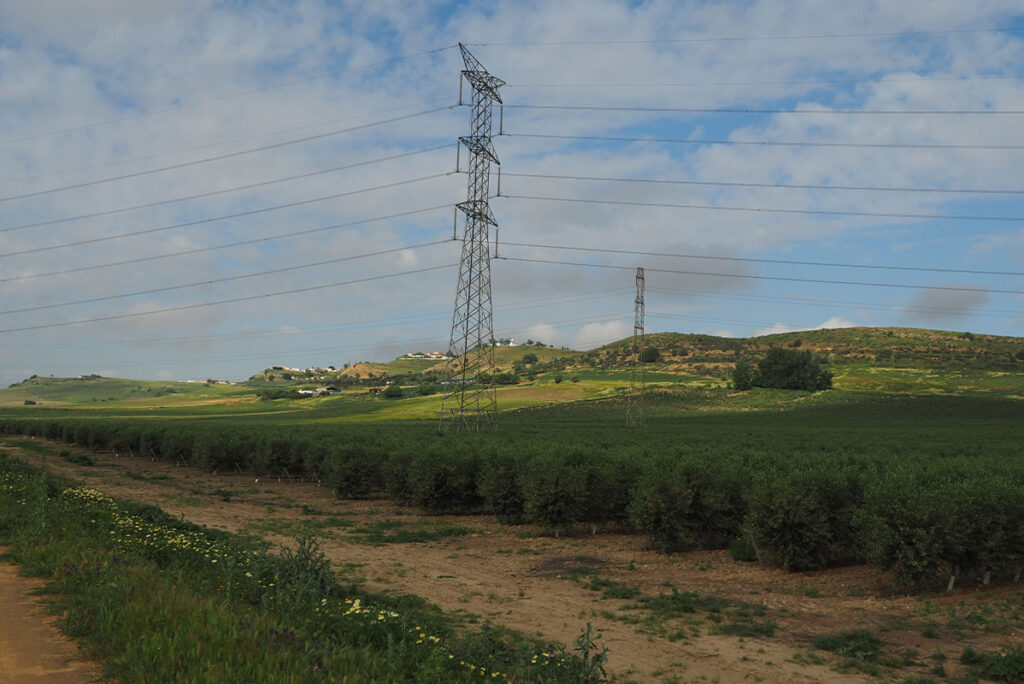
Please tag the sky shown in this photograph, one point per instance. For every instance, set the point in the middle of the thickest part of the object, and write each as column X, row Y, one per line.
column 203, row 189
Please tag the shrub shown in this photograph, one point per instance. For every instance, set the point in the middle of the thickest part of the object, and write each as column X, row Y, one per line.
column 499, row 486
column 650, row 355
column 555, row 493
column 681, row 504
column 783, row 368
column 802, row 519
column 443, row 480
column 393, row 392
column 860, row 644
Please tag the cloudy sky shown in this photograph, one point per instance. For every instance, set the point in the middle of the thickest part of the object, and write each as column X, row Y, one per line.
column 200, row 189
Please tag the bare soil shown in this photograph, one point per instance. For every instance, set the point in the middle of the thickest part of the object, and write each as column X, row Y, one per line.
column 32, row 649
column 517, row 578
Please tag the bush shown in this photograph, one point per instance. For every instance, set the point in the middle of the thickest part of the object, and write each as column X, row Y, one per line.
column 393, row 392
column 443, row 480
column 783, row 369
column 802, row 519
column 682, row 504
column 29, row 402
column 860, row 644
column 650, row 355
column 555, row 493
column 499, row 486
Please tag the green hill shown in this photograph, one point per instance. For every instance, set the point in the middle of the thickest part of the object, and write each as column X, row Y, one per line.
column 883, row 360
column 93, row 389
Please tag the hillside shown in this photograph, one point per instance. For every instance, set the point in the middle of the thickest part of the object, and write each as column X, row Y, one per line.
column 93, row 389
column 886, row 360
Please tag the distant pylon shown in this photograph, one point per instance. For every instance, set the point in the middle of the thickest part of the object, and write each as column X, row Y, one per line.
column 470, row 401
column 635, row 399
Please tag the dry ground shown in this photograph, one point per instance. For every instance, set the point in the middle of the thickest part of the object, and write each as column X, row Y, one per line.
column 32, row 650
column 517, row 578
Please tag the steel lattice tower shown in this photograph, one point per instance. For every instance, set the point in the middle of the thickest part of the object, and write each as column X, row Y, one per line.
column 471, row 402
column 635, row 399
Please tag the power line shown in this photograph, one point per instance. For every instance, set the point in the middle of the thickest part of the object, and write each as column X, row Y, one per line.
column 199, row 250
column 728, row 110
column 213, row 219
column 229, row 155
column 699, row 84
column 774, row 210
column 291, row 129
column 234, row 300
column 762, row 277
column 436, row 315
column 831, row 303
column 213, row 193
column 222, row 98
column 829, row 264
column 766, row 143
column 795, row 186
column 214, row 281
column 715, row 39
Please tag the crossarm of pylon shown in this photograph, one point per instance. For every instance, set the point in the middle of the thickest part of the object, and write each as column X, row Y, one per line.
column 478, row 209
column 479, row 144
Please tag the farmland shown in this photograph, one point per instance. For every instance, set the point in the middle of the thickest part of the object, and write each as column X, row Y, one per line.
column 738, row 527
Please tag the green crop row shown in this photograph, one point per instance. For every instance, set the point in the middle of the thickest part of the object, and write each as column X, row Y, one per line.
column 158, row 599
column 925, row 489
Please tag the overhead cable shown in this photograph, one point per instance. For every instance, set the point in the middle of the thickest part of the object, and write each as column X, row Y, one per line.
column 199, row 250
column 793, row 262
column 831, row 303
column 716, row 39
column 212, row 193
column 948, row 288
column 766, row 143
column 792, row 186
column 744, row 110
column 747, row 84
column 223, row 217
column 228, row 155
column 186, row 105
column 221, row 143
column 773, row 210
column 226, row 279
column 234, row 300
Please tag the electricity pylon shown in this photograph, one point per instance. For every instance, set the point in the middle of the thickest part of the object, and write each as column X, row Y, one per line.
column 635, row 399
column 470, row 400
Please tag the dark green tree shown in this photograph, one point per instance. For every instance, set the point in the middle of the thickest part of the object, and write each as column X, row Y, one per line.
column 783, row 368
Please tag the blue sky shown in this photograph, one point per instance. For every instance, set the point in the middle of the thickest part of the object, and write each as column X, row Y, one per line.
column 120, row 88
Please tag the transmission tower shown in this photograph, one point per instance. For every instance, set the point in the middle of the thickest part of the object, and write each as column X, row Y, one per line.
column 470, row 401
column 635, row 399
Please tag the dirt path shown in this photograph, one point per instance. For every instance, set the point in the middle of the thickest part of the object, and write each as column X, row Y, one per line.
column 32, row 650
column 511, row 576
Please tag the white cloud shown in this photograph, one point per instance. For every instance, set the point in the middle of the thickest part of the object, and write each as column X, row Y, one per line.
column 830, row 324
column 596, row 334
column 64, row 64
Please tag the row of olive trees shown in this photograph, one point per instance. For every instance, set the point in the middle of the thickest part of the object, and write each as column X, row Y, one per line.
column 923, row 519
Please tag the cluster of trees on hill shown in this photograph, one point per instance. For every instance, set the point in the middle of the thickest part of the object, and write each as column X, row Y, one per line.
column 782, row 368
